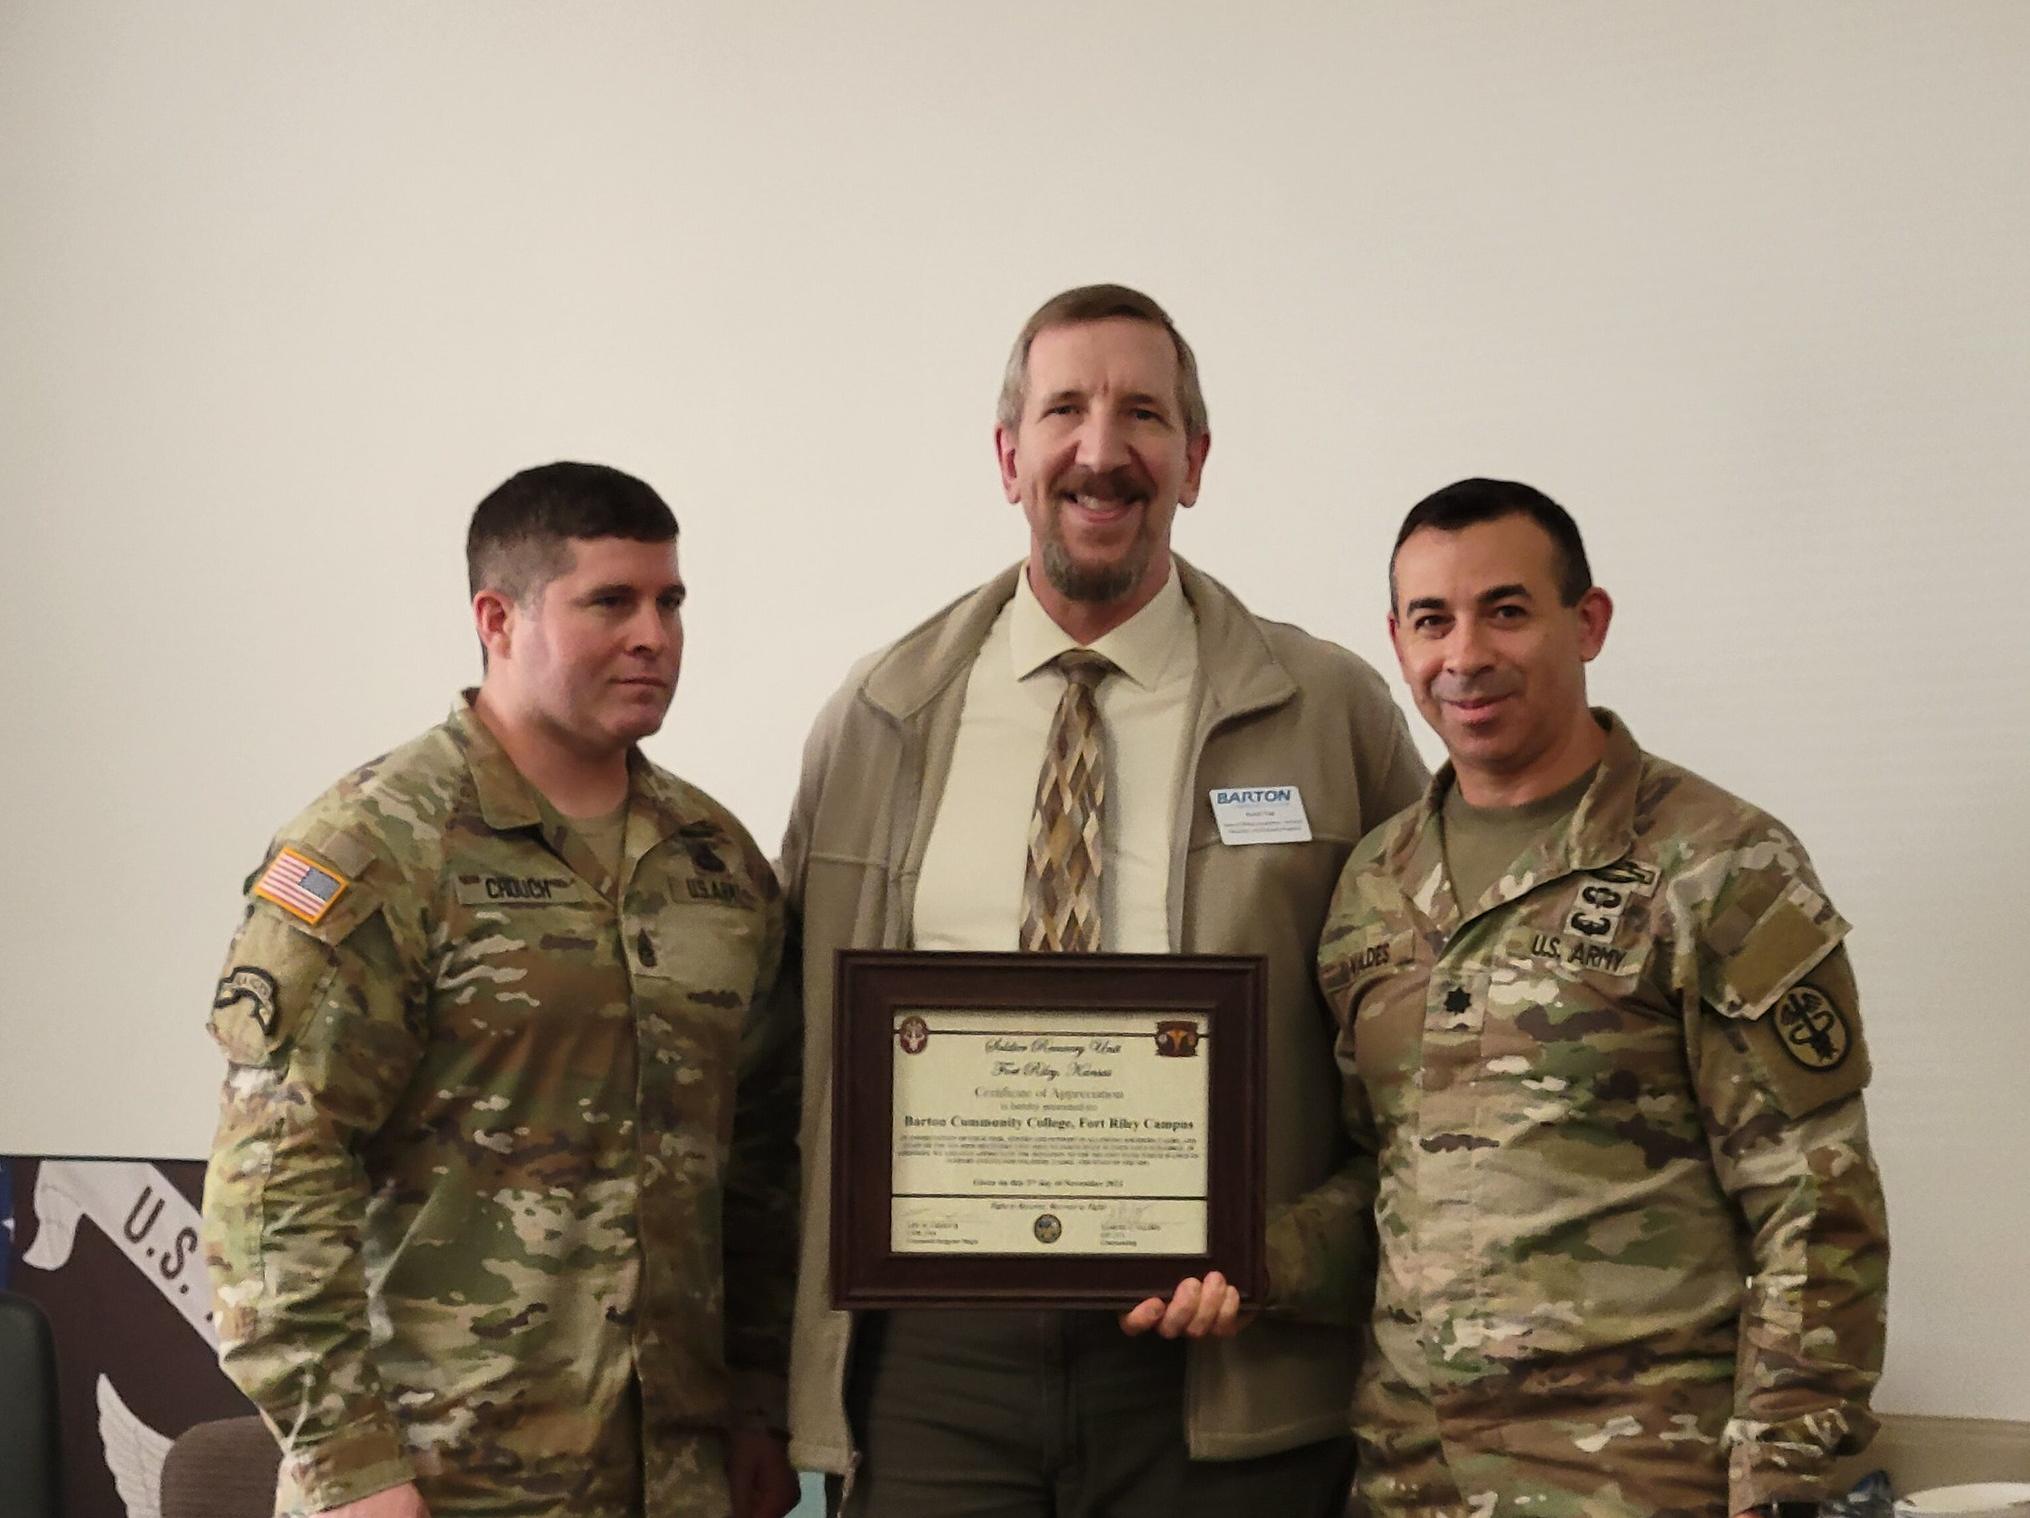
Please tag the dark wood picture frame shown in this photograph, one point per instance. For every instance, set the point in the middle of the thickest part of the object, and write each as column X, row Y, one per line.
column 872, row 986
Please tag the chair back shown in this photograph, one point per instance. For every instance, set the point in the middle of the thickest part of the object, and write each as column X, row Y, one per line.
column 222, row 1469
column 31, row 1444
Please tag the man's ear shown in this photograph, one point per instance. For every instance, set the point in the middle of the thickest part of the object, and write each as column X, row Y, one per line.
column 1396, row 643
column 493, row 616
column 1596, row 610
column 1004, row 455
column 1194, row 466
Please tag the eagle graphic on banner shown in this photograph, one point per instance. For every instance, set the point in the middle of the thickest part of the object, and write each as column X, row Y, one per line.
column 134, row 1454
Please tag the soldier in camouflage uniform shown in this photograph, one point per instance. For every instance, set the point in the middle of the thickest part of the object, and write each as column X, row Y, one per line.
column 501, row 1210
column 1600, row 1038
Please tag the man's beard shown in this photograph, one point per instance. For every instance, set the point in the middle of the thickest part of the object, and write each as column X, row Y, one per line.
column 1097, row 584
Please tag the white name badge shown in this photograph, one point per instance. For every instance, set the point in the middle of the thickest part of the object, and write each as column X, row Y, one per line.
column 1260, row 814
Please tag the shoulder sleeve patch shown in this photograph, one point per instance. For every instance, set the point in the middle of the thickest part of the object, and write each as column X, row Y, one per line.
column 300, row 885
column 1808, row 1048
column 274, row 973
column 306, row 884
column 248, row 994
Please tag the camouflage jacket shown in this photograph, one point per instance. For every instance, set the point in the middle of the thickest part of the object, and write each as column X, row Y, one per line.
column 1632, row 1253
column 505, row 1169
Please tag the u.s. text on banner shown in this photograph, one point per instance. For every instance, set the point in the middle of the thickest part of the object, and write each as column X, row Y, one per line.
column 1081, row 1133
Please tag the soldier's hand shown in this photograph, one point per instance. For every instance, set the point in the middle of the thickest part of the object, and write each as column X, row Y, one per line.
column 402, row 1501
column 1195, row 1310
column 758, row 1474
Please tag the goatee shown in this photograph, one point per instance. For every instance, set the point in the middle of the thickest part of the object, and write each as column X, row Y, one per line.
column 1097, row 584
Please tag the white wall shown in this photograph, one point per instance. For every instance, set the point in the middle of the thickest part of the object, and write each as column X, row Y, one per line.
column 285, row 290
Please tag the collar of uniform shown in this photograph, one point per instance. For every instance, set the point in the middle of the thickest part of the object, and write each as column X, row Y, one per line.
column 1602, row 830
column 1142, row 648
column 667, row 802
column 1240, row 670
column 1603, row 826
column 506, row 799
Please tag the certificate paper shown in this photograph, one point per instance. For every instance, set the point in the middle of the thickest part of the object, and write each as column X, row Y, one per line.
column 1044, row 1130
column 1023, row 1132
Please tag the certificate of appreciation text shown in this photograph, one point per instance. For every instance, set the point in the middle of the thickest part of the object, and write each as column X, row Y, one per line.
column 1049, row 1132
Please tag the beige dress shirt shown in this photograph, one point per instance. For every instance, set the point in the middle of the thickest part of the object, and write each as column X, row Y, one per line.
column 970, row 893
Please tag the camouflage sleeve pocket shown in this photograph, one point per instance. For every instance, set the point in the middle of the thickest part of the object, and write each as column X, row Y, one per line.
column 274, row 974
column 1807, row 1047
column 1768, row 937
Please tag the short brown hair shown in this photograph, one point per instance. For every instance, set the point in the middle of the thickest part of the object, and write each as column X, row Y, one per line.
column 1096, row 303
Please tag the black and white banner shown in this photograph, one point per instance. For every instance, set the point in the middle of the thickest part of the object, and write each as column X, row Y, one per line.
column 109, row 1249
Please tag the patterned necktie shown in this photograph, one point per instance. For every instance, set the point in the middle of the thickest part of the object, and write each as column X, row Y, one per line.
column 1061, row 890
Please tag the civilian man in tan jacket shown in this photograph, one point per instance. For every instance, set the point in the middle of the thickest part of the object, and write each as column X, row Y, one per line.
column 913, row 828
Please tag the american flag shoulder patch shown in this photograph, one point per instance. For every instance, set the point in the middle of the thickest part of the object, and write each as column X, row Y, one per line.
column 300, row 886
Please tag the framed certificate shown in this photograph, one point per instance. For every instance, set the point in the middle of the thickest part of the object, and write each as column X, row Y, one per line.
column 1044, row 1130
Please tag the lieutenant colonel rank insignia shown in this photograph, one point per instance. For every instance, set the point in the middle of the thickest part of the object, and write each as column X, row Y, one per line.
column 299, row 887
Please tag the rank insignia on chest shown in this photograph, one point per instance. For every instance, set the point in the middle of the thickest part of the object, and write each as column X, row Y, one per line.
column 300, row 886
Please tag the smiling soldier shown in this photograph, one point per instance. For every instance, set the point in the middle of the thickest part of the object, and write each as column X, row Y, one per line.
column 1599, row 1030
column 1036, row 767
column 501, row 1207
